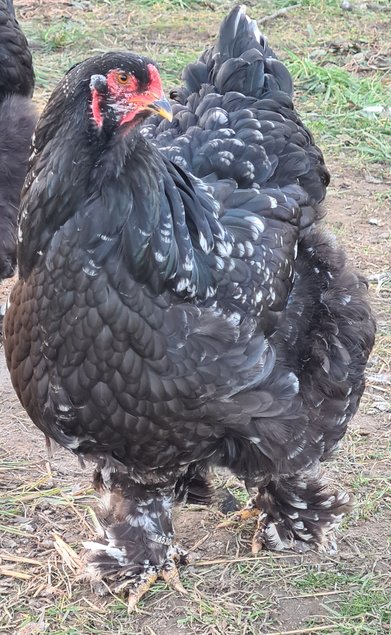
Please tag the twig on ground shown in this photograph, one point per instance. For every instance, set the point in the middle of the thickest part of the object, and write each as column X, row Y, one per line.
column 10, row 573
column 6, row 556
column 205, row 563
column 277, row 14
column 68, row 554
column 199, row 542
column 302, row 631
column 313, row 595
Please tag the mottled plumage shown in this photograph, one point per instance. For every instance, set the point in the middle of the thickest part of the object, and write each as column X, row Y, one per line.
column 177, row 305
column 17, row 121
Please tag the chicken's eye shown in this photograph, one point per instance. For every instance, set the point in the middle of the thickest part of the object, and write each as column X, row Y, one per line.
column 123, row 78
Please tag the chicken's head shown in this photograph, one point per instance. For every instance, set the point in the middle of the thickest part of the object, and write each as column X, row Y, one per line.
column 126, row 90
column 103, row 95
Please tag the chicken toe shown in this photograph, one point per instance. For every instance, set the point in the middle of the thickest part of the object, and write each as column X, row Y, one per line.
column 249, row 511
column 168, row 572
column 140, row 588
column 136, row 585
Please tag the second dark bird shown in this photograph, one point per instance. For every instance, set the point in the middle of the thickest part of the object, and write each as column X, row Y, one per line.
column 17, row 121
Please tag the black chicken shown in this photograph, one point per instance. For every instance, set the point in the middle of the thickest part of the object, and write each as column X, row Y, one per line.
column 177, row 308
column 17, row 121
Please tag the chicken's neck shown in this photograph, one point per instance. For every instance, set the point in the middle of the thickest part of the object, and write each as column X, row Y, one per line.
column 128, row 205
column 171, row 232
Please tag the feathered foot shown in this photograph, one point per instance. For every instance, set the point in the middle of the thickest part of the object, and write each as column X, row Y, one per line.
column 295, row 513
column 300, row 513
column 135, row 585
column 167, row 572
column 195, row 487
column 137, row 548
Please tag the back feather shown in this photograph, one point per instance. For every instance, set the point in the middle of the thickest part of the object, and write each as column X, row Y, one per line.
column 234, row 119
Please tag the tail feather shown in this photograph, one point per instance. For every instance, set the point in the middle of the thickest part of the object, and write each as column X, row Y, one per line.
column 238, row 33
column 244, row 74
column 241, row 61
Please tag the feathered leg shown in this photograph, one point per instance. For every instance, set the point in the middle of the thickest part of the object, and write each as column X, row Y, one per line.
column 194, row 486
column 296, row 512
column 137, row 536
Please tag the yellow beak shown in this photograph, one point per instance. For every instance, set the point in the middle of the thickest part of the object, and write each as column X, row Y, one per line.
column 162, row 107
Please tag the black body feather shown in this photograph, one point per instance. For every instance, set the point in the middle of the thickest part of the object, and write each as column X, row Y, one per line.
column 16, row 65
column 17, row 121
column 178, row 306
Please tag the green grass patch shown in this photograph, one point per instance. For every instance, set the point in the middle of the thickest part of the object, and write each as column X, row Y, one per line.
column 62, row 34
column 237, row 613
column 171, row 4
column 364, row 612
column 317, row 4
column 326, row 579
column 338, row 107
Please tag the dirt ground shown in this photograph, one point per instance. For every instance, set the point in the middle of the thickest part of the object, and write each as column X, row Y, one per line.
column 44, row 515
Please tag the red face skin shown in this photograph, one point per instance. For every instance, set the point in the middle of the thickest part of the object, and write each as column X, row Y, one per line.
column 95, row 105
column 126, row 98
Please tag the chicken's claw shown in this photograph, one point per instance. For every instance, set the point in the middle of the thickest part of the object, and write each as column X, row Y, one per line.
column 141, row 589
column 137, row 586
column 258, row 541
column 168, row 572
column 170, row 575
column 130, row 579
column 249, row 511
